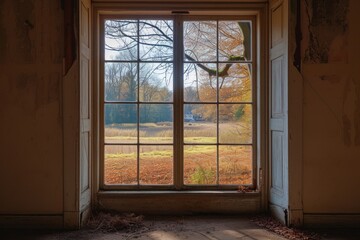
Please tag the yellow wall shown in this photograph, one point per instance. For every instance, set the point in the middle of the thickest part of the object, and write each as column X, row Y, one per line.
column 31, row 121
column 331, row 117
column 31, row 161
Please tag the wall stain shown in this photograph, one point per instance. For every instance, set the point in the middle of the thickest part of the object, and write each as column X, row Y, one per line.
column 24, row 13
column 3, row 37
column 328, row 27
column 356, row 83
column 351, row 111
column 47, row 89
column 23, row 94
column 32, row 91
column 346, row 130
column 25, row 81
column 330, row 78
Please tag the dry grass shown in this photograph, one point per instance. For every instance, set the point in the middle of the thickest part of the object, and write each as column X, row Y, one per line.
column 156, row 166
column 156, row 162
column 115, row 222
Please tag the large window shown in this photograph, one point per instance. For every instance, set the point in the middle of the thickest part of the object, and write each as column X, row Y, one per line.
column 178, row 105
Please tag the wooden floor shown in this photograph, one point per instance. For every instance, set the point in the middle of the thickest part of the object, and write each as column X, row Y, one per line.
column 175, row 228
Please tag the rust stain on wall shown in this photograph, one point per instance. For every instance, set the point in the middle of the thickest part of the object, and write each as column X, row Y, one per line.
column 328, row 31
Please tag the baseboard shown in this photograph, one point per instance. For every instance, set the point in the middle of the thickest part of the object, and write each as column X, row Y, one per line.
column 71, row 220
column 332, row 220
column 31, row 221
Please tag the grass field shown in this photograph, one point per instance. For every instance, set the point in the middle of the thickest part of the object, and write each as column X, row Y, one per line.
column 156, row 161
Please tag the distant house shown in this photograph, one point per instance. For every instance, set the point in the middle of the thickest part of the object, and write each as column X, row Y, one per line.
column 189, row 118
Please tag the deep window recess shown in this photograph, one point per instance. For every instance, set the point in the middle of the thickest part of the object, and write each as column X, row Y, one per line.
column 178, row 106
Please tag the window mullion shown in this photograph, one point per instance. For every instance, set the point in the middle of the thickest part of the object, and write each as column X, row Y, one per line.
column 138, row 105
column 178, row 103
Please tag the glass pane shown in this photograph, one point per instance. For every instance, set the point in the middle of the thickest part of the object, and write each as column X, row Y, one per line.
column 120, row 123
column 235, row 123
column 236, row 84
column 121, row 82
column 121, row 40
column 200, row 82
column 200, row 164
column 234, row 40
column 156, row 123
column 156, row 164
column 200, row 123
column 235, row 164
column 200, row 41
column 156, row 40
column 156, row 82
column 120, row 164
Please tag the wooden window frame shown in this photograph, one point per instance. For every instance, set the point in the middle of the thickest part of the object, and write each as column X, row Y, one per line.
column 237, row 202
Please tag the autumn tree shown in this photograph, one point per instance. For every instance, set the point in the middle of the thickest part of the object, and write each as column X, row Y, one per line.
column 228, row 42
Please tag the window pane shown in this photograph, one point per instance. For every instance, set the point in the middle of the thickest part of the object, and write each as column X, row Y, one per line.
column 200, row 82
column 156, row 164
column 156, row 123
column 235, row 86
column 200, row 164
column 156, row 82
column 200, row 123
column 120, row 164
column 120, row 123
column 121, row 40
column 235, row 164
column 234, row 40
column 121, row 82
column 200, row 40
column 235, row 123
column 156, row 40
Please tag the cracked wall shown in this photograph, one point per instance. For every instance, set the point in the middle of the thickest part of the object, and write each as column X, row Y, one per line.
column 331, row 105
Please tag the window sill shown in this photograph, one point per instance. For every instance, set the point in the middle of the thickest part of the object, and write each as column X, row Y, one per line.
column 180, row 202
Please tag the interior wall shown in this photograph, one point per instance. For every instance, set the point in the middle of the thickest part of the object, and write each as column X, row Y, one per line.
column 331, row 107
column 31, row 143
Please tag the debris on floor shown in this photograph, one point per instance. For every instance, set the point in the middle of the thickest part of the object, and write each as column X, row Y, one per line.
column 275, row 226
column 115, row 222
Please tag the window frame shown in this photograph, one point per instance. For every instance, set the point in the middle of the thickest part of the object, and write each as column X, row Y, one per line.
column 178, row 103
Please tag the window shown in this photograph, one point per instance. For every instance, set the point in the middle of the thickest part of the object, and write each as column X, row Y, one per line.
column 178, row 106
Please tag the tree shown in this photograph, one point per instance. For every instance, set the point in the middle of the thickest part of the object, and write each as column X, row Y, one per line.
column 204, row 41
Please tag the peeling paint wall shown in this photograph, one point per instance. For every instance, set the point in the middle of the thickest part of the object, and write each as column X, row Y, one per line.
column 331, row 106
column 328, row 31
column 31, row 161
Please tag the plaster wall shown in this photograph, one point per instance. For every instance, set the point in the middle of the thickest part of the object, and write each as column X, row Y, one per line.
column 31, row 142
column 31, row 120
column 331, row 106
